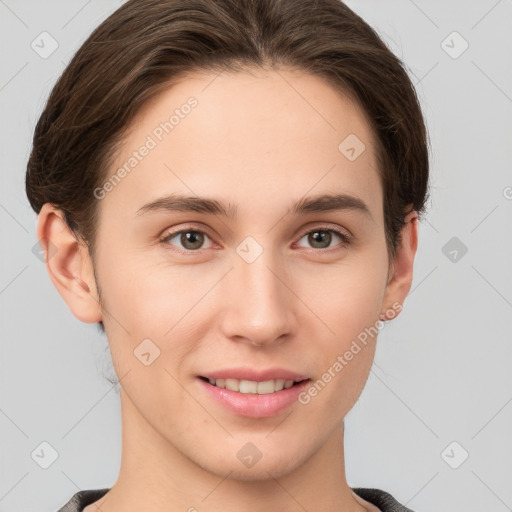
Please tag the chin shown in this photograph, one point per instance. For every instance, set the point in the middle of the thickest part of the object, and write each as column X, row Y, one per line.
column 267, row 467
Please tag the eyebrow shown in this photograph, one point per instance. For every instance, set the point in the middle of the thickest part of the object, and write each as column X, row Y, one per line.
column 312, row 204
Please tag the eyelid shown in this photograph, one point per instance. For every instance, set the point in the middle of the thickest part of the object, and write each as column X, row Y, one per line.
column 194, row 226
column 344, row 233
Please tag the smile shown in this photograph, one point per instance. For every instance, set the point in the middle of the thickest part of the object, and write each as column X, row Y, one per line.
column 253, row 398
column 253, row 387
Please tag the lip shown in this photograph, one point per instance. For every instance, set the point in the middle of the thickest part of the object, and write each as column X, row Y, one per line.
column 246, row 373
column 251, row 405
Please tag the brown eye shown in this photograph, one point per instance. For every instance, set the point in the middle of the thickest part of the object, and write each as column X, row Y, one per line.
column 190, row 240
column 322, row 238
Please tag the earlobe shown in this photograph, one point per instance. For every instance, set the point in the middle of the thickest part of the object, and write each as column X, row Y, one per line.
column 401, row 274
column 68, row 264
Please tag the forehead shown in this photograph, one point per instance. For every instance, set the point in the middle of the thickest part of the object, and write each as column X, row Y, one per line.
column 248, row 134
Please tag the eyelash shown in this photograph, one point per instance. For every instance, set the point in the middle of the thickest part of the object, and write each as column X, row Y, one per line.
column 346, row 239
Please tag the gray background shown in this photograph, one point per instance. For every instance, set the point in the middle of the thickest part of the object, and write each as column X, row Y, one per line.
column 442, row 371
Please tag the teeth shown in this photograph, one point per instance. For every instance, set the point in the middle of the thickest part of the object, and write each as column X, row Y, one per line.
column 232, row 384
column 250, row 386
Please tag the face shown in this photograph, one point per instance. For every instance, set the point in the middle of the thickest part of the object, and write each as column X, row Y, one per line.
column 277, row 277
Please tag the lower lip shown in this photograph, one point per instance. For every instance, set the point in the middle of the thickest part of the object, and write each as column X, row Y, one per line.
column 252, row 405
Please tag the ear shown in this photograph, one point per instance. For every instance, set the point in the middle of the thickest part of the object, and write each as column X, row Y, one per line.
column 401, row 271
column 68, row 264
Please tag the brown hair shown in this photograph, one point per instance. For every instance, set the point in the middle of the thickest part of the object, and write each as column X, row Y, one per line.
column 146, row 45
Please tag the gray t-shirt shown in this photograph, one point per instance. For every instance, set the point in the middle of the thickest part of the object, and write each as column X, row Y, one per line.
column 381, row 499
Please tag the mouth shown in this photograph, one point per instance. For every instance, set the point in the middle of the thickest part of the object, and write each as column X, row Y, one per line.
column 254, row 398
column 253, row 387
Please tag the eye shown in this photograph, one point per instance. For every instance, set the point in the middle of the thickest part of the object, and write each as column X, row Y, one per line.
column 321, row 237
column 190, row 239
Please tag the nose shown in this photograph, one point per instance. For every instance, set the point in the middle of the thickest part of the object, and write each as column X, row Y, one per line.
column 258, row 301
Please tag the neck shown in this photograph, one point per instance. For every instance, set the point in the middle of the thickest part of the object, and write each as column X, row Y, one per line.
column 156, row 476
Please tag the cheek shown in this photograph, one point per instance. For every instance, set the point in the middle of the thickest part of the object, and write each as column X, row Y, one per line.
column 147, row 310
column 346, row 295
column 151, row 332
column 347, row 301
column 150, row 297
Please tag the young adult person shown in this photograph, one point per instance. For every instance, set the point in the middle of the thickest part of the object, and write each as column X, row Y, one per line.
column 231, row 189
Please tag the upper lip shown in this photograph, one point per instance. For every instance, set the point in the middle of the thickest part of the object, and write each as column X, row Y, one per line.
column 245, row 373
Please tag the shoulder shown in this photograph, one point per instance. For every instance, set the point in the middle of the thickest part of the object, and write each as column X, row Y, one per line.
column 83, row 498
column 381, row 499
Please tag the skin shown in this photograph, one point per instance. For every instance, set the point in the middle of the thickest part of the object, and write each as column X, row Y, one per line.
column 262, row 141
